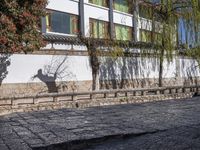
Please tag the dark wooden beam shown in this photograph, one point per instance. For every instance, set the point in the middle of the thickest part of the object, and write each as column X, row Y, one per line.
column 81, row 18
column 111, row 23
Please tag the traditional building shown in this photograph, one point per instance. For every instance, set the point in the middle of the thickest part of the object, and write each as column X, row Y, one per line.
column 64, row 64
column 115, row 19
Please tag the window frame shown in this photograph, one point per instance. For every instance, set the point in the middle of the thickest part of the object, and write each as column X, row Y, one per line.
column 130, row 36
column 151, row 36
column 145, row 7
column 74, row 17
column 105, row 5
column 105, row 25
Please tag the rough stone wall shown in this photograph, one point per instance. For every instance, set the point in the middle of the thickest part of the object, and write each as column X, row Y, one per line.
column 29, row 89
column 27, row 105
column 148, row 83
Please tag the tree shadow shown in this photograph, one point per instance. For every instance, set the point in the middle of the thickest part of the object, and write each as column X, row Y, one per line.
column 52, row 72
column 49, row 80
column 127, row 72
column 108, row 75
column 191, row 72
column 4, row 63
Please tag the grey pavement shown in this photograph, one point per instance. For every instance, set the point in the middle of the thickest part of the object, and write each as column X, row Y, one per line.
column 180, row 138
column 173, row 124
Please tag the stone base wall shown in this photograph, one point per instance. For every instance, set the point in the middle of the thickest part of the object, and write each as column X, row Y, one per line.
column 31, row 89
column 148, row 83
column 50, row 104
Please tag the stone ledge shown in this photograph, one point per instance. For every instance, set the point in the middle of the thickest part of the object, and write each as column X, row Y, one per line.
column 50, row 104
column 43, row 100
column 23, row 101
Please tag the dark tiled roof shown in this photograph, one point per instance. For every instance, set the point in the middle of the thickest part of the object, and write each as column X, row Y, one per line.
column 54, row 38
column 64, row 39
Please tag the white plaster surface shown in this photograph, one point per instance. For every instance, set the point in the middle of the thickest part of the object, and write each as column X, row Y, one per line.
column 135, row 67
column 77, row 68
column 67, row 6
column 24, row 67
column 123, row 18
column 190, row 68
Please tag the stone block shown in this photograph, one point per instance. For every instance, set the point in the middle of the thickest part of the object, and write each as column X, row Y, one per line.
column 179, row 90
column 63, row 98
column 172, row 91
column 158, row 92
column 43, row 100
column 105, row 95
column 144, row 93
column 134, row 93
column 137, row 93
column 191, row 89
column 22, row 101
column 5, row 102
column 116, row 94
column 5, row 111
column 74, row 97
column 92, row 96
column 127, row 94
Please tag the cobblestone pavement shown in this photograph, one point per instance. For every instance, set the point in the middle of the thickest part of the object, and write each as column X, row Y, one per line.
column 159, row 125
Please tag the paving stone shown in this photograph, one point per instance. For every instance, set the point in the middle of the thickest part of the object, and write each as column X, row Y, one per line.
column 3, row 147
column 37, row 128
column 34, row 142
column 47, row 136
column 5, row 131
column 16, row 144
column 19, row 146
column 12, row 135
column 157, row 123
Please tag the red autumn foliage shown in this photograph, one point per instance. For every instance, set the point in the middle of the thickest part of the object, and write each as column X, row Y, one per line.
column 20, row 25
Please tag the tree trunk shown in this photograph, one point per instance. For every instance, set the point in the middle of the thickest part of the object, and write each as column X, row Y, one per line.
column 160, row 78
column 123, row 74
column 95, row 64
column 95, row 80
column 196, row 37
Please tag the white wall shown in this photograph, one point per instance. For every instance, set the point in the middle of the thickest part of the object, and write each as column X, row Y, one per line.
column 24, row 67
column 77, row 68
column 190, row 68
column 67, row 6
column 123, row 18
column 135, row 67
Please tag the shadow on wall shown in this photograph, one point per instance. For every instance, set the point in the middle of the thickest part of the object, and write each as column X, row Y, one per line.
column 56, row 70
column 191, row 72
column 4, row 63
column 49, row 80
column 127, row 72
